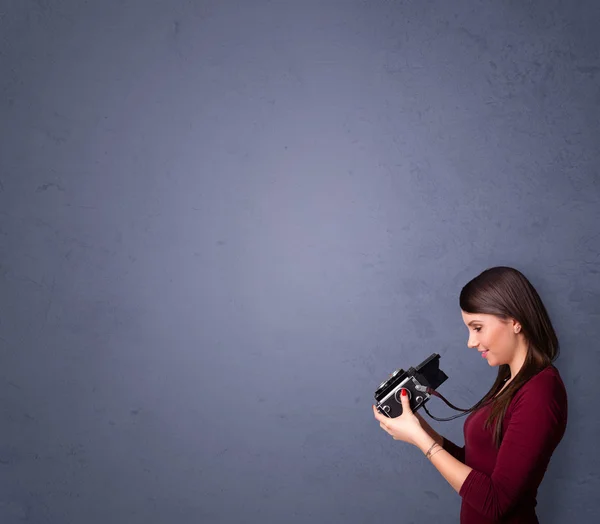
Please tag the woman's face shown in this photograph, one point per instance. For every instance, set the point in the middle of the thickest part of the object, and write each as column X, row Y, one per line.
column 494, row 338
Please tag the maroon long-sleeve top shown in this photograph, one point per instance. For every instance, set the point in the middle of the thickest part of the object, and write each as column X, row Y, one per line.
column 503, row 484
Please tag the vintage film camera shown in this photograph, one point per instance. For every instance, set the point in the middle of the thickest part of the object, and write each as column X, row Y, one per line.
column 419, row 383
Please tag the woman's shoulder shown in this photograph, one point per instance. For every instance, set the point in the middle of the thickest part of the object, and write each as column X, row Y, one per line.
column 547, row 377
column 541, row 404
column 545, row 384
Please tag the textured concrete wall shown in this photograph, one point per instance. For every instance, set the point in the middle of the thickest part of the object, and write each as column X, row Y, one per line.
column 222, row 224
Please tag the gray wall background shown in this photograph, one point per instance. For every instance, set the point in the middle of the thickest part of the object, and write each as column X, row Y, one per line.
column 223, row 224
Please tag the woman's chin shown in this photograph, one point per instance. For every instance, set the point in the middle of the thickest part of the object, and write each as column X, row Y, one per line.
column 493, row 362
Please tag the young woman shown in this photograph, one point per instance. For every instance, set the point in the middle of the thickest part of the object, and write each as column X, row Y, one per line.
column 512, row 432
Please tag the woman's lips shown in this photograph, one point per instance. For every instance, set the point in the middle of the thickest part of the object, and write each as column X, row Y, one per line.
column 484, row 353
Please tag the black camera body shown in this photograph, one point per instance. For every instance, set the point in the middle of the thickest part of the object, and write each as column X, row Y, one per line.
column 416, row 381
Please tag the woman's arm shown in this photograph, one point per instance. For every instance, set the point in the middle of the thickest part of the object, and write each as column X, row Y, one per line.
column 454, row 450
column 429, row 430
column 452, row 469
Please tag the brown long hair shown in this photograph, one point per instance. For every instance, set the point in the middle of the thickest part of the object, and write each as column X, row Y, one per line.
column 506, row 293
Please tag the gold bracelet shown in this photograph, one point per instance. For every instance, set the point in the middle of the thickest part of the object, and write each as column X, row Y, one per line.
column 428, row 454
column 435, row 453
column 429, row 450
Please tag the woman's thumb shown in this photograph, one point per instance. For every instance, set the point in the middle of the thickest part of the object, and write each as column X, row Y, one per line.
column 405, row 399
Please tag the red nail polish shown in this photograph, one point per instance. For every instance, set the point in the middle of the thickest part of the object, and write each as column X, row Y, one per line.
column 403, row 392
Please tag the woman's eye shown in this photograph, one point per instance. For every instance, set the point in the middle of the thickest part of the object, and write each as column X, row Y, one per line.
column 478, row 329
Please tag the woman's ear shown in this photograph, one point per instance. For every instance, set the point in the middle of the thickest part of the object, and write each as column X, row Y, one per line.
column 516, row 326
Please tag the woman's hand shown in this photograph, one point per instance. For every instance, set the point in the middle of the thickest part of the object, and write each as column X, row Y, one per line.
column 406, row 427
column 420, row 417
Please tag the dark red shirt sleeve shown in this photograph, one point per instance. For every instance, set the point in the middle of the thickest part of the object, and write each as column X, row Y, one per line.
column 536, row 426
